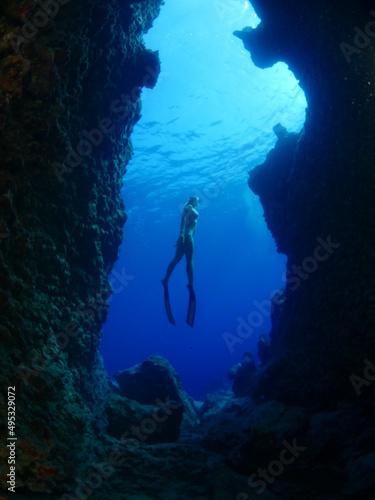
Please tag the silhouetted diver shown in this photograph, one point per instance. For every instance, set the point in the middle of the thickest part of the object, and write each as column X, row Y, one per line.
column 184, row 246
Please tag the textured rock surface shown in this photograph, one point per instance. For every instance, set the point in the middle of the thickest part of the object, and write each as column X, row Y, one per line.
column 154, row 379
column 332, row 455
column 61, row 216
column 157, row 423
column 319, row 186
column 242, row 375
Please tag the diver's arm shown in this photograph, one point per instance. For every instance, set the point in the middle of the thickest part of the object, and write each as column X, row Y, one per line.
column 194, row 214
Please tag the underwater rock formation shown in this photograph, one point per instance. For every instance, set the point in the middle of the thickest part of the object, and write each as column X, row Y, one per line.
column 155, row 379
column 290, row 451
column 264, row 349
column 71, row 74
column 317, row 190
column 70, row 80
column 157, row 423
column 241, row 374
column 247, row 433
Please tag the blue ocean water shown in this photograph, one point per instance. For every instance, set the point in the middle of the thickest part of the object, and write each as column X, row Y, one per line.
column 208, row 121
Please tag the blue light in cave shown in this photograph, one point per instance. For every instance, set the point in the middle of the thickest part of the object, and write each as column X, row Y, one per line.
column 208, row 121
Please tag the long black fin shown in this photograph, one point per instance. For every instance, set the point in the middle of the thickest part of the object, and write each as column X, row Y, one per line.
column 168, row 304
column 191, row 307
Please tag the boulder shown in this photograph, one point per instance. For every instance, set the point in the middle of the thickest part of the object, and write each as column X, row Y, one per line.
column 155, row 379
column 134, row 423
column 213, row 404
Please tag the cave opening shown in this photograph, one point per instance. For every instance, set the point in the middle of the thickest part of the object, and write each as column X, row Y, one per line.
column 208, row 121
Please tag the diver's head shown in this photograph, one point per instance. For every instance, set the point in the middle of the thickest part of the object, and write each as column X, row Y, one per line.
column 193, row 201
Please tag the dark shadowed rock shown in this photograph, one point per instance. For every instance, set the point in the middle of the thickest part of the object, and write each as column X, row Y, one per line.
column 61, row 219
column 154, row 379
column 317, row 191
column 213, row 404
column 248, row 434
column 264, row 348
column 157, row 423
column 241, row 374
column 362, row 476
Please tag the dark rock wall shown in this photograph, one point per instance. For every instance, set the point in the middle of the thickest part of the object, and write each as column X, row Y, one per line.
column 72, row 72
column 318, row 187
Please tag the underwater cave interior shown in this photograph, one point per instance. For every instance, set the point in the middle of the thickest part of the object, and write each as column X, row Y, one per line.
column 289, row 208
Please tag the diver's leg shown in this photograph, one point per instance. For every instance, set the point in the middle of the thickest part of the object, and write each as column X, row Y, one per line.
column 176, row 259
column 189, row 251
